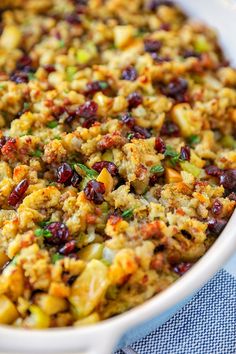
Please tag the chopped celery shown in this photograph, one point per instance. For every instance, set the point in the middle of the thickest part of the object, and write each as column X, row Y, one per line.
column 190, row 168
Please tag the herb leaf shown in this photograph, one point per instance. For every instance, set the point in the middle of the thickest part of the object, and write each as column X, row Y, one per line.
column 42, row 233
column 56, row 257
column 37, row 153
column 88, row 171
column 170, row 152
column 52, row 124
column 193, row 139
column 157, row 169
column 127, row 213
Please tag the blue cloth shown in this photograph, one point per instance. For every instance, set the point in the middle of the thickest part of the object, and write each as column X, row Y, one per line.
column 205, row 325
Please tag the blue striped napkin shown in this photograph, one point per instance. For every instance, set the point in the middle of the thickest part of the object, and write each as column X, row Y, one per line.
column 205, row 325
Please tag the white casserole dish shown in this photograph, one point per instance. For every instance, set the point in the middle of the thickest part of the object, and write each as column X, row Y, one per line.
column 102, row 338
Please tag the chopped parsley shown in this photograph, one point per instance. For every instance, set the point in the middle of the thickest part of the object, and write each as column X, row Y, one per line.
column 37, row 153
column 103, row 84
column 127, row 213
column 26, row 106
column 173, row 154
column 44, row 223
column 31, row 76
column 56, row 257
column 157, row 169
column 193, row 139
column 130, row 136
column 52, row 124
column 88, row 171
column 42, row 233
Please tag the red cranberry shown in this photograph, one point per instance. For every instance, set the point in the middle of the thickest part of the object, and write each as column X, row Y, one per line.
column 176, row 89
column 94, row 191
column 110, row 166
column 64, row 173
column 213, row 171
column 19, row 77
column 68, row 248
column 73, row 19
column 216, row 226
column 232, row 196
column 87, row 110
column 18, row 192
column 217, row 207
column 170, row 129
column 160, row 146
column 89, row 122
column 140, row 133
column 95, row 86
column 191, row 54
column 228, row 179
column 75, row 180
column 152, row 45
column 185, row 153
column 128, row 120
column 49, row 68
column 182, row 268
column 134, row 100
column 158, row 59
column 24, row 63
column 129, row 74
column 154, row 4
column 59, row 231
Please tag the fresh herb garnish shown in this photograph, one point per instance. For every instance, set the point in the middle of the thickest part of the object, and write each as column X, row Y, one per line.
column 56, row 257
column 157, row 169
column 57, row 137
column 88, row 171
column 103, row 84
column 130, row 136
column 26, row 106
column 31, row 76
column 175, row 156
column 193, row 139
column 127, row 213
column 44, row 223
column 61, row 43
column 52, row 124
column 42, row 233
column 37, row 153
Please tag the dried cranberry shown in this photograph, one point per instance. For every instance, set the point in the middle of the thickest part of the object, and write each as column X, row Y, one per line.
column 19, row 77
column 134, row 100
column 87, row 110
column 18, row 192
column 213, row 171
column 216, row 226
column 129, row 74
column 94, row 191
column 73, row 18
column 154, row 4
column 110, row 166
column 59, row 232
column 3, row 141
column 75, row 180
column 158, row 59
column 24, row 64
column 191, row 54
column 128, row 119
column 228, row 179
column 160, row 146
column 68, row 248
column 141, row 133
column 95, row 86
column 49, row 68
column 182, row 268
column 176, row 89
column 170, row 129
column 64, row 173
column 89, row 122
column 217, row 207
column 152, row 45
column 154, row 179
column 185, row 153
column 232, row 196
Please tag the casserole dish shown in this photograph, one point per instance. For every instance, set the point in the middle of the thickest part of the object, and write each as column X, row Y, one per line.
column 101, row 338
